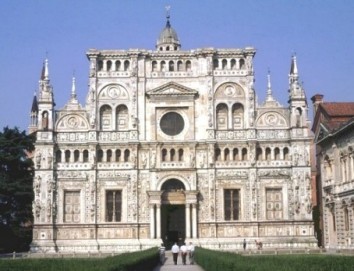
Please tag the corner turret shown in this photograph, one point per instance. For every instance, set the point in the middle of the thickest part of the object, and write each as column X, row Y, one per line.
column 45, row 101
column 297, row 101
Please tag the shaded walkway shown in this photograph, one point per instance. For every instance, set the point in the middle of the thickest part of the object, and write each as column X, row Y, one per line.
column 169, row 265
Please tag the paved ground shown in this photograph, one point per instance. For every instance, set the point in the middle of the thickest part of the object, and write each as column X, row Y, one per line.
column 170, row 266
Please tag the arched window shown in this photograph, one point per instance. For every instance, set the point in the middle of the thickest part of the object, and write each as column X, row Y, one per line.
column 126, row 65
column 100, row 65
column 168, row 48
column 259, row 154
column 346, row 219
column 118, row 155
column 227, row 154
column 224, row 64
column 105, row 117
column 67, row 156
column 217, row 154
column 267, row 153
column 298, row 114
column 118, row 65
column 237, row 116
column 179, row 65
column 221, row 116
column 58, row 156
column 277, row 154
column 236, row 155
column 99, row 155
column 188, row 66
column 109, row 156
column 172, row 155
column 85, row 156
column 216, row 63
column 45, row 120
column 154, row 66
column 76, row 156
column 173, row 185
column 244, row 154
column 242, row 64
column 109, row 65
column 171, row 66
column 126, row 155
column 164, row 155
column 180, row 155
column 286, row 153
column 163, row 66
column 233, row 64
column 122, row 118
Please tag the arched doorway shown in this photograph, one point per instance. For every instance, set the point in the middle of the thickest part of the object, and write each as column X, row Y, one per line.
column 173, row 212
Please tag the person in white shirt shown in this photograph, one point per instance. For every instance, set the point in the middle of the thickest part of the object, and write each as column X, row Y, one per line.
column 175, row 251
column 184, row 253
column 190, row 249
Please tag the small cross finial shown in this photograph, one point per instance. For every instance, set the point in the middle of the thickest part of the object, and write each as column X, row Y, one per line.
column 168, row 11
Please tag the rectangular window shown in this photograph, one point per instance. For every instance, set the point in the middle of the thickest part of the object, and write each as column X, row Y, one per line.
column 232, row 204
column 113, row 205
column 72, row 206
column 274, row 207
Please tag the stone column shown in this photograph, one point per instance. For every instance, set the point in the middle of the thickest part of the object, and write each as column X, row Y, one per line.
column 194, row 217
column 158, row 221
column 152, row 221
column 188, row 221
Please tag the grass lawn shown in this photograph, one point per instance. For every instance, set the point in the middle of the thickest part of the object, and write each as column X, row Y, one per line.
column 215, row 261
column 137, row 261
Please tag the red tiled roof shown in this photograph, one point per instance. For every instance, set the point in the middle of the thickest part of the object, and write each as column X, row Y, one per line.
column 339, row 109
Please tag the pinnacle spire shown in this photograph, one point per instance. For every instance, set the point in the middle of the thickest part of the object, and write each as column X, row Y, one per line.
column 294, row 75
column 269, row 88
column 46, row 70
column 34, row 108
column 73, row 89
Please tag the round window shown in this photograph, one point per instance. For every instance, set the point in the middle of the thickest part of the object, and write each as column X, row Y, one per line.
column 172, row 123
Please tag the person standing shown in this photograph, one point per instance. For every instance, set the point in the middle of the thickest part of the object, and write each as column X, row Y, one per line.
column 190, row 250
column 175, row 251
column 184, row 253
column 162, row 250
column 244, row 244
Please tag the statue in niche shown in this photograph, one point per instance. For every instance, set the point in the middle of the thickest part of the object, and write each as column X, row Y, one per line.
column 133, row 160
column 45, row 121
column 38, row 160
column 144, row 160
column 37, row 209
column 49, row 161
column 153, row 160
column 202, row 162
column 37, row 185
column 192, row 160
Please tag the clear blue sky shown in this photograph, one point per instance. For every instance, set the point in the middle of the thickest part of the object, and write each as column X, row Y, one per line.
column 321, row 33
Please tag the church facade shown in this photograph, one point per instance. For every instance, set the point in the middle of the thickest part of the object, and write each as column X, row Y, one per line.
column 171, row 145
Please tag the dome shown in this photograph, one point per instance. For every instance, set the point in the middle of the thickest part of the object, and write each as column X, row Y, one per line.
column 168, row 39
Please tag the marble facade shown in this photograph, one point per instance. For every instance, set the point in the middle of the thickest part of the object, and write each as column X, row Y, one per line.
column 171, row 145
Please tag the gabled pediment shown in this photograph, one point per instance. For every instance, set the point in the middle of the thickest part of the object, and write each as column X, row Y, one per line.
column 321, row 133
column 172, row 89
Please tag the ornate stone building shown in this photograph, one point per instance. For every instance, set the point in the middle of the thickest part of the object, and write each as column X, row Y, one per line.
column 171, row 145
column 334, row 136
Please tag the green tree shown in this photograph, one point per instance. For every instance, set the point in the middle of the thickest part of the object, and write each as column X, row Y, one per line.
column 16, row 190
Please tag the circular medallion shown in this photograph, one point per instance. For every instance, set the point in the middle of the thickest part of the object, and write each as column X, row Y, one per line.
column 113, row 92
column 271, row 119
column 72, row 122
